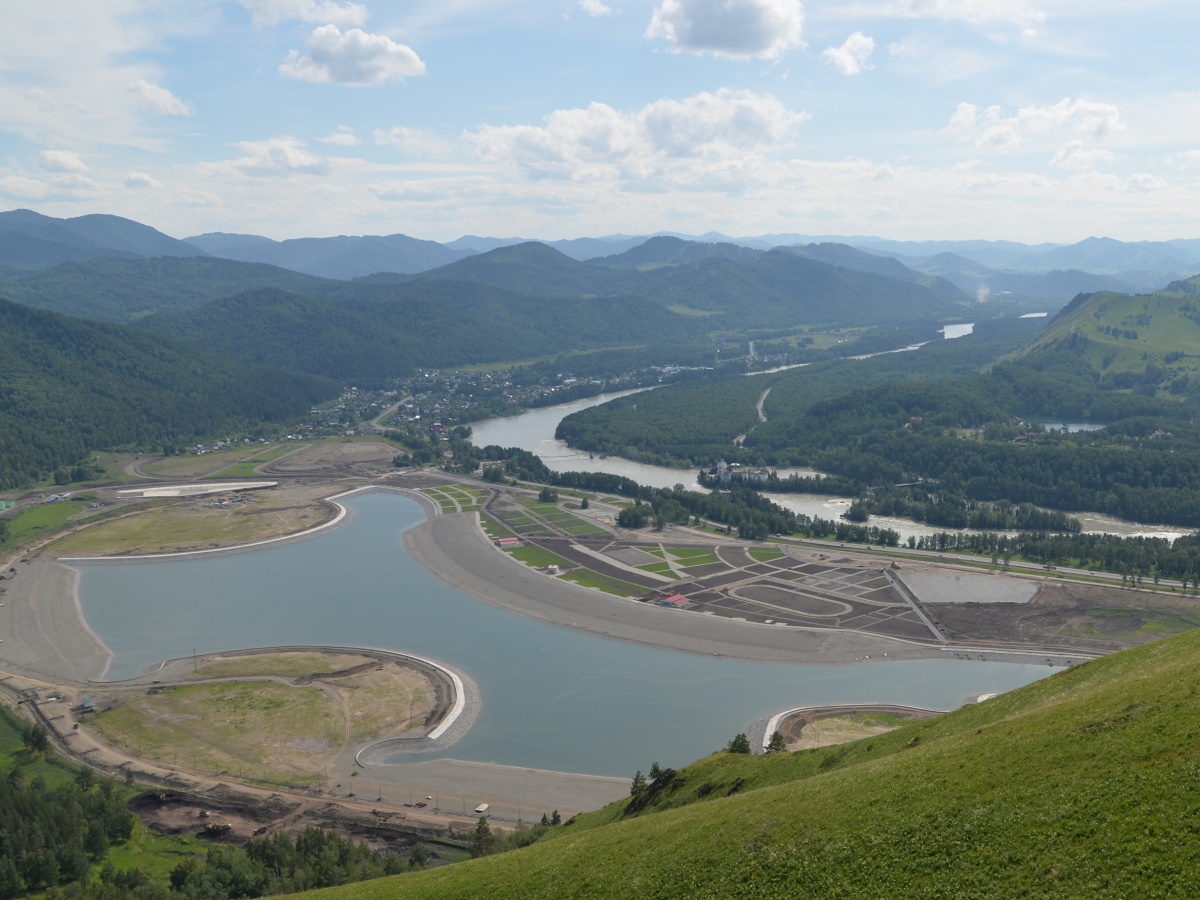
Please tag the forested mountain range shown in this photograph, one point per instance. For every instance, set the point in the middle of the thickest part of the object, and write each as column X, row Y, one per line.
column 953, row 423
column 120, row 289
column 772, row 289
column 984, row 283
column 776, row 289
column 69, row 386
column 333, row 257
column 415, row 324
column 29, row 240
column 673, row 251
column 1051, row 272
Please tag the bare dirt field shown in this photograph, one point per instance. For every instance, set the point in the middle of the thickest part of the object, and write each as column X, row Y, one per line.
column 826, row 726
column 276, row 718
column 1068, row 613
column 937, row 585
column 202, row 523
column 326, row 459
column 191, row 812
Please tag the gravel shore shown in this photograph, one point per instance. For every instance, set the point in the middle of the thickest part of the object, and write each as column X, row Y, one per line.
column 456, row 551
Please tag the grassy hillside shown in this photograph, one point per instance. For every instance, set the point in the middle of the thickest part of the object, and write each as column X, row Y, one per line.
column 1081, row 785
column 1148, row 338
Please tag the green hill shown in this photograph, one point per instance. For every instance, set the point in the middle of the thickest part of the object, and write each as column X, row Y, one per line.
column 534, row 268
column 1080, row 785
column 29, row 240
column 380, row 330
column 114, row 289
column 1142, row 341
column 332, row 257
column 69, row 386
column 672, row 251
column 763, row 290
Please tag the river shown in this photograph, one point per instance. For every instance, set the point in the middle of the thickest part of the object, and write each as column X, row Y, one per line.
column 552, row 698
column 534, row 431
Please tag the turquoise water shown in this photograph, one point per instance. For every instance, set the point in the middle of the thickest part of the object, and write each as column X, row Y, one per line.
column 552, row 698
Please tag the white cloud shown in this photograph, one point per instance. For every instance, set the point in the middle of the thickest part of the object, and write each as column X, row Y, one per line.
column 138, row 180
column 190, row 197
column 272, row 12
column 23, row 188
column 353, row 58
column 278, row 156
column 1094, row 120
column 1188, row 159
column 1023, row 14
column 74, row 182
column 1145, row 183
column 720, row 135
column 595, row 8
column 964, row 119
column 413, row 141
column 159, row 100
column 67, row 69
column 736, row 29
column 343, row 136
column 851, row 57
column 1074, row 155
column 60, row 161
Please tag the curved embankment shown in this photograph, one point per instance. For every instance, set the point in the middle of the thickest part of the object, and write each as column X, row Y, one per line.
column 458, row 708
column 342, row 516
column 760, row 732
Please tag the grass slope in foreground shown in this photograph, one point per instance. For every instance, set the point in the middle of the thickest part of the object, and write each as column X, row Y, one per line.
column 1082, row 785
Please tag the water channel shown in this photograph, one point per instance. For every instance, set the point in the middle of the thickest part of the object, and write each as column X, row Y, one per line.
column 552, row 698
column 534, row 431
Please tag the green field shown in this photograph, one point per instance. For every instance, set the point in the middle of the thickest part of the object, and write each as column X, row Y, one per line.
column 45, row 519
column 492, row 528
column 662, row 568
column 1082, row 785
column 237, row 727
column 246, row 469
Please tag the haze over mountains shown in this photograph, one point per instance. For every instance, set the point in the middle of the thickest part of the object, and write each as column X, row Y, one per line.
column 982, row 269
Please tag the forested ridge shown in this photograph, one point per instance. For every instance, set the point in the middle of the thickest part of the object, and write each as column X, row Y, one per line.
column 68, row 387
column 371, row 339
column 117, row 289
column 954, row 439
column 695, row 424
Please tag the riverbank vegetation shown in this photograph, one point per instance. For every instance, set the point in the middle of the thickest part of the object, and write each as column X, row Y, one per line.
column 925, row 435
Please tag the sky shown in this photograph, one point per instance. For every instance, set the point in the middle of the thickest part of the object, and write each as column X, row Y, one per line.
column 1025, row 120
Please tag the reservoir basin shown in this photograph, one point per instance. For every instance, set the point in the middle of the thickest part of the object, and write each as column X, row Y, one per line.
column 552, row 698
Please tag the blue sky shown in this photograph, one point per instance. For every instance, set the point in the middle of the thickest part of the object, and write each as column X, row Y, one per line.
column 1030, row 120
